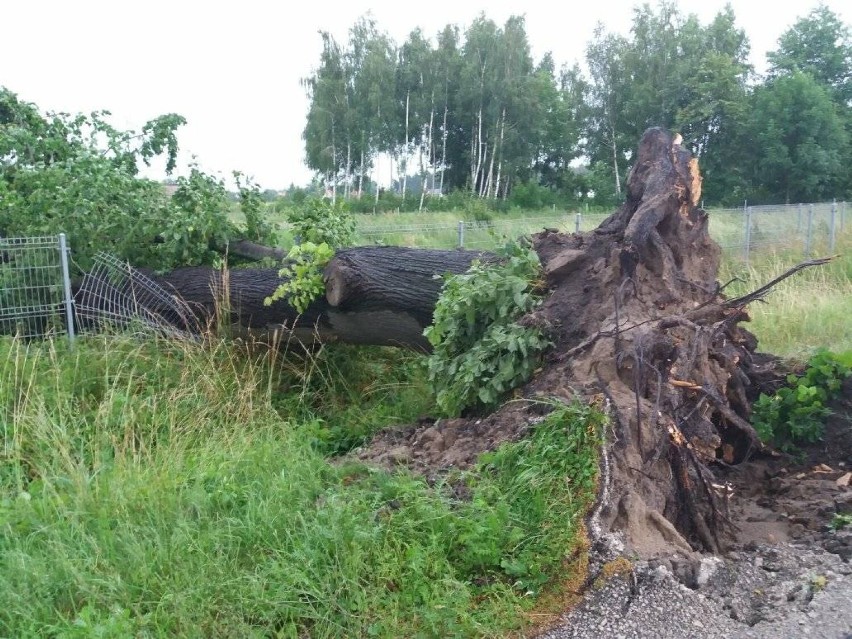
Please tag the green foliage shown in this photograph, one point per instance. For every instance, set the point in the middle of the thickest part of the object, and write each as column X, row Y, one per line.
column 477, row 210
column 480, row 352
column 819, row 44
column 303, row 275
column 796, row 413
column 200, row 223
column 253, row 205
column 321, row 227
column 152, row 490
column 319, row 221
column 800, row 140
column 840, row 521
column 490, row 121
column 78, row 174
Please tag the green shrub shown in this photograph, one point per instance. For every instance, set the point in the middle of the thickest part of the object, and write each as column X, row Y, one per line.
column 796, row 413
column 480, row 352
column 319, row 221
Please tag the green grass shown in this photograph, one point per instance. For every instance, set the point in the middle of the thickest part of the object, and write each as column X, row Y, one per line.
column 168, row 490
column 809, row 310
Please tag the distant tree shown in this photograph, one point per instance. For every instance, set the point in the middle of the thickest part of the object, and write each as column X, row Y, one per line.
column 798, row 140
column 818, row 44
column 326, row 132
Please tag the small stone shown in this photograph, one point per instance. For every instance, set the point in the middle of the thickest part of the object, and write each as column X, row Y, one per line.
column 844, row 480
column 708, row 567
column 797, row 531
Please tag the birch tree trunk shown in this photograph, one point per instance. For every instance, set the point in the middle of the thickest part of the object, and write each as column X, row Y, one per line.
column 404, row 164
column 444, row 148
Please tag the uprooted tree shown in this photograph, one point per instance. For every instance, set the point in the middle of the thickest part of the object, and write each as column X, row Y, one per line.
column 636, row 316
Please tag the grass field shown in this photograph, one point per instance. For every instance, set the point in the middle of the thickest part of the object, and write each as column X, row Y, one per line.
column 809, row 310
column 773, row 228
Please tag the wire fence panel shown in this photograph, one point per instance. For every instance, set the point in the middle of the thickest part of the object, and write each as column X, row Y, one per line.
column 34, row 287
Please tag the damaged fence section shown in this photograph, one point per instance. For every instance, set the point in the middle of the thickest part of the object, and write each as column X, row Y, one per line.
column 35, row 287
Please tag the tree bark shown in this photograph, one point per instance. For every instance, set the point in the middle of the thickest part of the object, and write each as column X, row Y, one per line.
column 382, row 296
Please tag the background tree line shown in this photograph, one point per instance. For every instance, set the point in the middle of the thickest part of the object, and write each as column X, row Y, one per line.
column 473, row 111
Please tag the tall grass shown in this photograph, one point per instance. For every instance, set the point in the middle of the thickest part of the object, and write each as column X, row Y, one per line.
column 179, row 490
column 809, row 310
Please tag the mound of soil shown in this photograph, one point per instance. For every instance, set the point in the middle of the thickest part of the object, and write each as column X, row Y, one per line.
column 432, row 447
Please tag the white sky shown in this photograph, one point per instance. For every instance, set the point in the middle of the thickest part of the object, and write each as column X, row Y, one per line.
column 232, row 69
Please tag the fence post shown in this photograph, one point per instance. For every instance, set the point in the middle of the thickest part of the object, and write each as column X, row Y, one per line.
column 578, row 220
column 799, row 223
column 831, row 235
column 842, row 215
column 747, row 233
column 66, row 286
column 461, row 234
column 809, row 236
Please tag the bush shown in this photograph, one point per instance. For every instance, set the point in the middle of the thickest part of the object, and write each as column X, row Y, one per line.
column 321, row 228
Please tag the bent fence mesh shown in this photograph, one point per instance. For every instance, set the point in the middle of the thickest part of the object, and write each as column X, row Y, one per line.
column 36, row 299
column 116, row 296
column 35, row 296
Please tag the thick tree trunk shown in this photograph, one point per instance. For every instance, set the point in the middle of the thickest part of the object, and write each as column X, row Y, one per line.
column 375, row 295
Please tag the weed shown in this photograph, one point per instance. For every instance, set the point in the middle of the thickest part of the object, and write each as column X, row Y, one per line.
column 161, row 489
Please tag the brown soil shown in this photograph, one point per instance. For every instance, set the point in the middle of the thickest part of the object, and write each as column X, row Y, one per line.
column 779, row 498
column 432, row 447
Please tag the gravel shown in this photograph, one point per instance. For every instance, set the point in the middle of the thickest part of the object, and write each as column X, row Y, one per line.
column 782, row 591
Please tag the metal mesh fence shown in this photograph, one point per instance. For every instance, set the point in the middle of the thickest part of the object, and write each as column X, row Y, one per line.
column 35, row 295
column 806, row 228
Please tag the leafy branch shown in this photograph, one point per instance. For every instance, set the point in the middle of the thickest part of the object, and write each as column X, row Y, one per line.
column 481, row 352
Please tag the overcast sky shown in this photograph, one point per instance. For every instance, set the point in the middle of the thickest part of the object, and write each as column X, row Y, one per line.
column 232, row 69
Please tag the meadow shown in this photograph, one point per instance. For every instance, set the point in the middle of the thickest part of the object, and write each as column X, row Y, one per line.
column 152, row 488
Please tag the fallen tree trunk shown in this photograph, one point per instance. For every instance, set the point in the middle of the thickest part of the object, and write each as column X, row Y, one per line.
column 375, row 295
column 637, row 318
